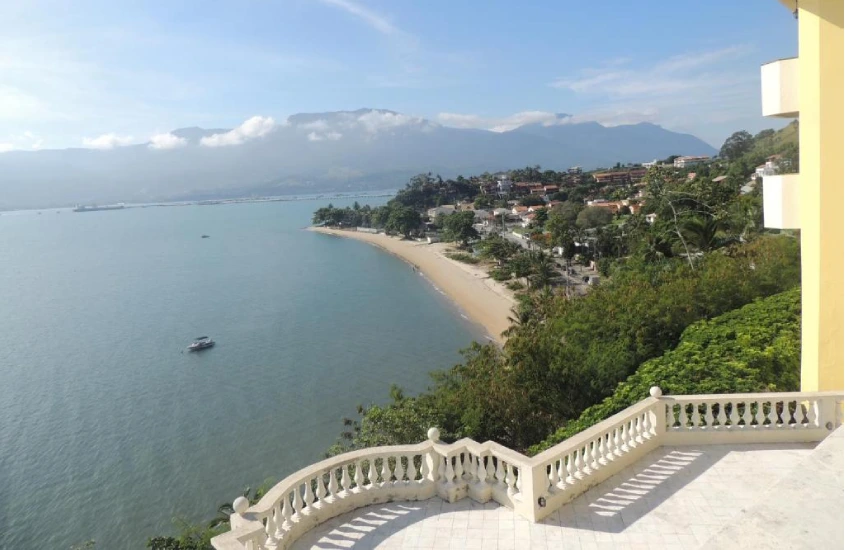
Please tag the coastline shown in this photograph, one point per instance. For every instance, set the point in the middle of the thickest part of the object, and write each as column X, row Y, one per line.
column 485, row 301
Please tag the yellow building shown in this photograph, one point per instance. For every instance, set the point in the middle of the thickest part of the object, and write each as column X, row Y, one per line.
column 810, row 87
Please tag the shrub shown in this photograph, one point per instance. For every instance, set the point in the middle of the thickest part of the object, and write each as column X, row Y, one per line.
column 751, row 349
column 462, row 257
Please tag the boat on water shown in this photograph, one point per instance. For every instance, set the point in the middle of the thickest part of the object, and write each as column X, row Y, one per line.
column 96, row 208
column 201, row 342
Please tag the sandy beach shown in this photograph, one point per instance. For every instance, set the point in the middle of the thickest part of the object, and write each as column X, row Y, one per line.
column 484, row 300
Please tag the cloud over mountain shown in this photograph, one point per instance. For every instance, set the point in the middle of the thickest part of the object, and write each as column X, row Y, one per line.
column 255, row 127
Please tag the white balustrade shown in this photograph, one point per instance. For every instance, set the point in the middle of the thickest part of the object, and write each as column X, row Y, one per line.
column 533, row 487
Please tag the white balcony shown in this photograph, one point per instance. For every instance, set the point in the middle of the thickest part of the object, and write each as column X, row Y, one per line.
column 781, row 202
column 779, row 86
column 682, row 468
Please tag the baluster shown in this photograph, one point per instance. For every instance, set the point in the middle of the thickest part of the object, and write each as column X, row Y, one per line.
column 297, row 499
column 450, row 471
column 518, row 479
column 722, row 417
column 708, row 415
column 785, row 415
column 399, row 471
column 768, row 408
column 333, row 488
column 624, row 438
column 746, row 414
column 594, row 453
column 696, row 415
column 617, row 441
column 309, row 494
column 491, row 470
column 734, row 417
column 412, row 471
column 459, row 468
column 270, row 528
column 682, row 416
column 634, row 433
column 469, row 460
column 553, row 475
column 604, row 445
column 581, row 461
column 345, row 480
column 570, row 467
column 813, row 414
column 481, row 471
column 358, row 476
column 510, row 479
column 279, row 519
column 372, row 476
column 386, row 474
column 561, row 472
column 441, row 469
column 500, row 471
column 286, row 512
column 321, row 488
column 424, row 469
column 645, row 420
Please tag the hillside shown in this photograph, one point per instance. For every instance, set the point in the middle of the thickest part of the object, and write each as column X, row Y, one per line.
column 754, row 348
column 316, row 152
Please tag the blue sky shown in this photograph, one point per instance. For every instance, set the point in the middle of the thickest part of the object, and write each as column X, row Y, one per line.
column 105, row 73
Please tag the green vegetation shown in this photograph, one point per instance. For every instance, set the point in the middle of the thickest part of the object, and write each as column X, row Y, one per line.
column 755, row 348
column 462, row 257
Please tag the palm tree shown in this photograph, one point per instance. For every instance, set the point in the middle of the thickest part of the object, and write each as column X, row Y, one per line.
column 543, row 270
column 704, row 232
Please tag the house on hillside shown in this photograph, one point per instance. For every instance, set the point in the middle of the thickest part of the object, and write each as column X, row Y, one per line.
column 445, row 210
column 686, row 162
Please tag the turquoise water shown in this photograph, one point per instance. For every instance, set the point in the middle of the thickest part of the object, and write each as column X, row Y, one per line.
column 108, row 430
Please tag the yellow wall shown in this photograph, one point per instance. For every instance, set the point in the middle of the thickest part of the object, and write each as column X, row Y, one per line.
column 820, row 46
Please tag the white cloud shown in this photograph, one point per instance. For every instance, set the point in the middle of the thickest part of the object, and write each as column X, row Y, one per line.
column 676, row 74
column 318, row 125
column 27, row 141
column 107, row 141
column 167, row 141
column 330, row 136
column 503, row 124
column 371, row 18
column 4, row 147
column 255, row 127
column 376, row 121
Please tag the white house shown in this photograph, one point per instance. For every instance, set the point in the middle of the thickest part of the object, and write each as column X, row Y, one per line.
column 503, row 184
column 686, row 162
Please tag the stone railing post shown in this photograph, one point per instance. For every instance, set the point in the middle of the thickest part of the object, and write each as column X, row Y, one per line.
column 533, row 491
column 240, row 506
column 658, row 412
column 432, row 459
column 828, row 413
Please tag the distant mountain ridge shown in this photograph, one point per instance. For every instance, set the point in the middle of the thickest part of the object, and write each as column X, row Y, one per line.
column 316, row 152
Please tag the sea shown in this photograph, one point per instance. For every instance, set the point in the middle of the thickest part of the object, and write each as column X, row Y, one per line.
column 110, row 431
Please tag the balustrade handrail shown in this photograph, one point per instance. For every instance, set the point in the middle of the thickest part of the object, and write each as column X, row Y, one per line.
column 762, row 396
column 597, row 452
column 266, row 503
column 596, row 430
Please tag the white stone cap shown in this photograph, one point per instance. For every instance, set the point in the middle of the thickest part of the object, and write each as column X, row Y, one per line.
column 655, row 391
column 434, row 434
column 240, row 505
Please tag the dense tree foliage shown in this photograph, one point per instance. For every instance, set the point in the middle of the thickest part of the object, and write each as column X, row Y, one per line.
column 752, row 349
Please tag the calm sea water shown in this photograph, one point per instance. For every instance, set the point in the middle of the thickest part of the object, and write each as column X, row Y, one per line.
column 108, row 430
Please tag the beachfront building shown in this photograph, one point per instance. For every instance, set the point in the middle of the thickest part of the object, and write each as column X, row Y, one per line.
column 759, row 470
column 686, row 162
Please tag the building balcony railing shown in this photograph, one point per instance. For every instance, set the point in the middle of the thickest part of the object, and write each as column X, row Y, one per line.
column 779, row 85
column 533, row 487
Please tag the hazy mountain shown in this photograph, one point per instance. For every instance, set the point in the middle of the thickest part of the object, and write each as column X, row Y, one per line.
column 348, row 150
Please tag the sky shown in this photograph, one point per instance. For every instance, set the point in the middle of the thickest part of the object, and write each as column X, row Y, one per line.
column 101, row 74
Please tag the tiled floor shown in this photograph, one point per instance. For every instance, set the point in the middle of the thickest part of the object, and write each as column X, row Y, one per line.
column 675, row 497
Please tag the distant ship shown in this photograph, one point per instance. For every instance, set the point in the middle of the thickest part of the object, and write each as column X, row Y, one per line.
column 95, row 208
column 201, row 342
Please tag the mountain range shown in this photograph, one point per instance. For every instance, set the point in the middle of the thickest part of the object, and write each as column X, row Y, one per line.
column 316, row 152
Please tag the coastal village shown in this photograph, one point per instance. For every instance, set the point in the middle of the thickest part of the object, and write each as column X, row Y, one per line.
column 519, row 231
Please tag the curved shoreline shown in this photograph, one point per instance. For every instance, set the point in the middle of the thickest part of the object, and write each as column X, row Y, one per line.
column 485, row 301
